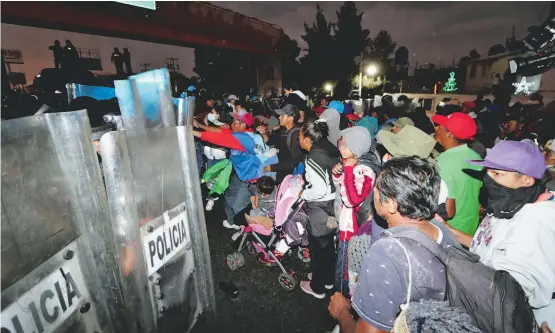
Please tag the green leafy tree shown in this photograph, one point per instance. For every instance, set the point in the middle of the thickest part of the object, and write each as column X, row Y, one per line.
column 350, row 41
column 317, row 61
column 290, row 65
column 496, row 49
column 383, row 46
column 473, row 54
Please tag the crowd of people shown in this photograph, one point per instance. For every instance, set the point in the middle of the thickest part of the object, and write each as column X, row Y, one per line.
column 476, row 177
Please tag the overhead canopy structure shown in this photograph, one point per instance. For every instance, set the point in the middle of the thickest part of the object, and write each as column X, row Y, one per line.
column 173, row 22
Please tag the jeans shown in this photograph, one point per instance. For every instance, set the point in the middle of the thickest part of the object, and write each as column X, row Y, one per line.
column 341, row 284
column 237, row 197
column 211, row 161
column 199, row 147
column 322, row 260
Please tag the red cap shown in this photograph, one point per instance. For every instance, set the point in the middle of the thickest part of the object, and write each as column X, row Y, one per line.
column 353, row 116
column 245, row 117
column 469, row 104
column 460, row 124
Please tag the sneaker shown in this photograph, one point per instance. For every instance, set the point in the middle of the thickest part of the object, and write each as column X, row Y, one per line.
column 209, row 205
column 327, row 286
column 305, row 286
column 227, row 225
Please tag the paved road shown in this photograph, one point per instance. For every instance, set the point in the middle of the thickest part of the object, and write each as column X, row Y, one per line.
column 263, row 305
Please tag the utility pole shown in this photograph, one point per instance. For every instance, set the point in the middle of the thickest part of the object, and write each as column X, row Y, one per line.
column 360, row 75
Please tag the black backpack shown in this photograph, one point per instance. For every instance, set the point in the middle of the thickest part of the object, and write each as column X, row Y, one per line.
column 494, row 299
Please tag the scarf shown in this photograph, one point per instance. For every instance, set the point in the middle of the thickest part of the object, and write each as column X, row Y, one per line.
column 504, row 202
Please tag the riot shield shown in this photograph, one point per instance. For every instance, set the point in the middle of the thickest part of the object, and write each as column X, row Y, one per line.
column 59, row 270
column 75, row 90
column 155, row 201
column 145, row 100
column 185, row 110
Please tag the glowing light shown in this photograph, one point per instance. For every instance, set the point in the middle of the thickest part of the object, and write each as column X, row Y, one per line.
column 522, row 86
column 451, row 84
column 328, row 87
column 372, row 70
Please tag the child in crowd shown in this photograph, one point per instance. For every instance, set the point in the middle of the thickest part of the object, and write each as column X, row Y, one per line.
column 262, row 206
column 353, row 181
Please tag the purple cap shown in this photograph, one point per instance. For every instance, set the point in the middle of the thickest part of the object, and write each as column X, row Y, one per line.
column 515, row 156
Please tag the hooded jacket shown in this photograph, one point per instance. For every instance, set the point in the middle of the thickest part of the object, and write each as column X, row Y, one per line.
column 354, row 186
column 333, row 119
column 318, row 177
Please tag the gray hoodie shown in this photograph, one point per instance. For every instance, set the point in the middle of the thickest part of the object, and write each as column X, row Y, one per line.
column 332, row 118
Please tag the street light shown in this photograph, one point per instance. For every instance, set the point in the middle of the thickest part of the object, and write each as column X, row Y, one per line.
column 372, row 70
column 329, row 88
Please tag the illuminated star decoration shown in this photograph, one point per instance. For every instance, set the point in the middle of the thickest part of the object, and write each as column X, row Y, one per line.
column 522, row 86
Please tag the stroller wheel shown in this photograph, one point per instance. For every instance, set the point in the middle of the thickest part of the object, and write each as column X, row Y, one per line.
column 251, row 248
column 287, row 281
column 303, row 254
column 235, row 260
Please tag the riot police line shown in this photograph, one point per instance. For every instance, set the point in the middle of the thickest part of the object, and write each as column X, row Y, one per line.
column 125, row 250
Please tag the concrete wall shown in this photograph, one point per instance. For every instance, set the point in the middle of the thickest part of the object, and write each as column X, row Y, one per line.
column 268, row 81
column 500, row 65
column 483, row 76
column 34, row 43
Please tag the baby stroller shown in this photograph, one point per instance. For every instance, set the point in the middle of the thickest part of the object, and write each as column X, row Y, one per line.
column 288, row 207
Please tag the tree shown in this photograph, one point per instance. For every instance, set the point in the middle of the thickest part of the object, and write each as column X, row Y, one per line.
column 474, row 54
column 383, row 46
column 350, row 41
column 320, row 43
column 402, row 56
column 290, row 65
column 496, row 49
column 464, row 60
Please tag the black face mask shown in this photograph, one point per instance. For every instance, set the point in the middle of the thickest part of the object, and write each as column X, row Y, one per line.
column 504, row 202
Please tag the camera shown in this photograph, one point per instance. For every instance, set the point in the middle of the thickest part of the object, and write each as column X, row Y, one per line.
column 539, row 40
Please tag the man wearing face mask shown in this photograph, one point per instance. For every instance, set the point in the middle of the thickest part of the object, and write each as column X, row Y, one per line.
column 518, row 233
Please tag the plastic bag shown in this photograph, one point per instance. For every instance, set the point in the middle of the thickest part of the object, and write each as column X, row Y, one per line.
column 217, row 176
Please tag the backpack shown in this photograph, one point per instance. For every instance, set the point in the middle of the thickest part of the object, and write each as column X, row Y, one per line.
column 249, row 164
column 494, row 299
column 290, row 136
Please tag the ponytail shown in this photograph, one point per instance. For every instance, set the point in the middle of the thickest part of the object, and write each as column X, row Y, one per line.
column 316, row 130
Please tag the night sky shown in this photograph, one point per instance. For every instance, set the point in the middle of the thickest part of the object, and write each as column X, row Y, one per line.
column 435, row 32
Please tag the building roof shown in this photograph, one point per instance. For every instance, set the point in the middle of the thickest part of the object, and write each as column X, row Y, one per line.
column 495, row 57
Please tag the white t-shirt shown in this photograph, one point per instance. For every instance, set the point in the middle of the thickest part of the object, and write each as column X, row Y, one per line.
column 524, row 246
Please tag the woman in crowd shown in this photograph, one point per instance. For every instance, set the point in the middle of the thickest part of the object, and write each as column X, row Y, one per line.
column 319, row 194
column 332, row 118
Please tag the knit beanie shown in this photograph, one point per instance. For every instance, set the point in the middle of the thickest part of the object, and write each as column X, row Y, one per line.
column 337, row 105
column 357, row 139
column 370, row 123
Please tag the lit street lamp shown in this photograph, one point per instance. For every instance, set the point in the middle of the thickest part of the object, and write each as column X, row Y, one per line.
column 372, row 70
column 329, row 88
